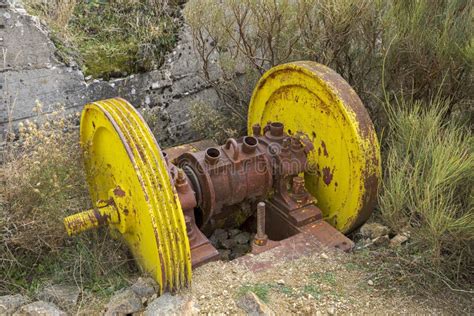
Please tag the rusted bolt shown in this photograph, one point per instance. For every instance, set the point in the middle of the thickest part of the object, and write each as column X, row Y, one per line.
column 181, row 182
column 212, row 155
column 298, row 185
column 261, row 238
column 285, row 147
column 181, row 177
column 276, row 129
column 256, row 129
column 298, row 189
column 296, row 144
column 249, row 144
column 189, row 227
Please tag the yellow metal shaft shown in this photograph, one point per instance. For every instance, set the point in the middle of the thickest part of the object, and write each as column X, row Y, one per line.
column 90, row 219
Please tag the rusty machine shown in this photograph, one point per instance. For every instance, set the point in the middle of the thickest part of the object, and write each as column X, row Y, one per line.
column 309, row 165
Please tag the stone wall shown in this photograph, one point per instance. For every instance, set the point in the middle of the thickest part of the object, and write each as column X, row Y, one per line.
column 30, row 72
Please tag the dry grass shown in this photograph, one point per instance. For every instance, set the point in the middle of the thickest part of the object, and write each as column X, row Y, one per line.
column 44, row 182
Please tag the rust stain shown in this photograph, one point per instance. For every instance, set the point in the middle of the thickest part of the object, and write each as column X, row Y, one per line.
column 327, row 175
column 101, row 219
column 119, row 192
column 323, row 144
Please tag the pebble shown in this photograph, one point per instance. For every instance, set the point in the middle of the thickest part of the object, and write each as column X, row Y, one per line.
column 10, row 303
column 324, row 256
column 331, row 310
column 252, row 305
column 370, row 282
column 168, row 304
column 124, row 302
column 39, row 308
column 60, row 294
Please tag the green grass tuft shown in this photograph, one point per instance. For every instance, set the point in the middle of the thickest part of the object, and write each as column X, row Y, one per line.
column 428, row 187
column 260, row 289
column 110, row 38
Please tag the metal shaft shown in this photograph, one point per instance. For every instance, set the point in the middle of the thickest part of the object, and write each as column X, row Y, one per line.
column 261, row 219
column 80, row 222
column 261, row 237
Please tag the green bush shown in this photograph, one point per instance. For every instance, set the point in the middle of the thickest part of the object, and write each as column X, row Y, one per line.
column 428, row 186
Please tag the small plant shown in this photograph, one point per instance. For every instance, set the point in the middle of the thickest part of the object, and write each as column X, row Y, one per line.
column 260, row 289
column 210, row 123
column 326, row 277
column 312, row 290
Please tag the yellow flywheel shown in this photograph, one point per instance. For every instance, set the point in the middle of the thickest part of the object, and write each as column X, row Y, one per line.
column 345, row 171
column 130, row 185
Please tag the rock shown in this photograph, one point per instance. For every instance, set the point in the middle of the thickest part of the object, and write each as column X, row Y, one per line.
column 225, row 255
column 60, row 294
column 281, row 282
column 373, row 230
column 324, row 256
column 239, row 250
column 398, row 240
column 228, row 243
column 39, row 308
column 218, row 237
column 234, row 232
column 10, row 303
column 331, row 310
column 124, row 302
column 144, row 287
column 168, row 304
column 242, row 238
column 381, row 241
column 252, row 305
column 370, row 282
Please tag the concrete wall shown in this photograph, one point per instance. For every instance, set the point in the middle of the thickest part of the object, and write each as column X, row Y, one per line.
column 30, row 72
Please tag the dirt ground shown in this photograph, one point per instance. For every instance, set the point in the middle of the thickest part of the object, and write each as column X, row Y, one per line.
column 325, row 282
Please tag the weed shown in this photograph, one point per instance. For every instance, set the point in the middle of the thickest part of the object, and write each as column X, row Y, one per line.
column 326, row 277
column 259, row 289
column 312, row 290
column 285, row 289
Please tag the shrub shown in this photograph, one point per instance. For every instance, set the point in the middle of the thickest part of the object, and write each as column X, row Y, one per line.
column 110, row 38
column 428, row 187
column 212, row 124
column 44, row 182
column 425, row 44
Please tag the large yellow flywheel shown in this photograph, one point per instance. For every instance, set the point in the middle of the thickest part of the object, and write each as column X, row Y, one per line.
column 311, row 98
column 130, row 184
